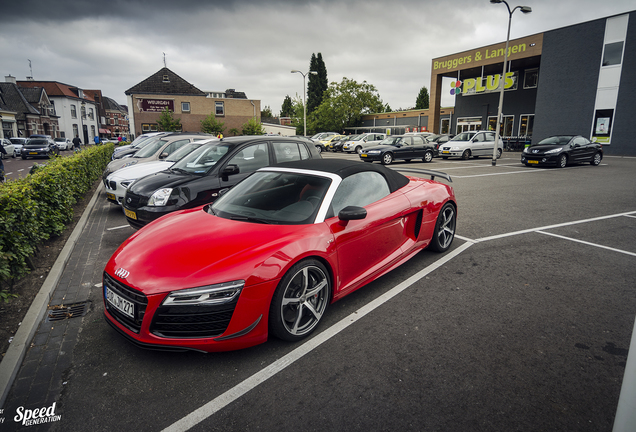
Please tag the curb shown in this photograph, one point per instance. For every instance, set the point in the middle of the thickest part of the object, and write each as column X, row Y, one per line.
column 12, row 360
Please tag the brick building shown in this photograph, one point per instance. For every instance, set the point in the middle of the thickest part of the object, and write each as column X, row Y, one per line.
column 190, row 105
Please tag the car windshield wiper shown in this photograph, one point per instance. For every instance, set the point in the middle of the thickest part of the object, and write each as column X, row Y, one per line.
column 250, row 219
column 180, row 170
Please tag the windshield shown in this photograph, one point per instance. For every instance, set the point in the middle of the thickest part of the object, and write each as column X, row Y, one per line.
column 465, row 136
column 37, row 141
column 182, row 152
column 17, row 140
column 150, row 149
column 273, row 198
column 203, row 159
column 142, row 142
column 555, row 140
column 60, row 140
column 356, row 138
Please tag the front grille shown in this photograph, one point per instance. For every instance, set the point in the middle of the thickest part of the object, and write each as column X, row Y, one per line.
column 134, row 201
column 191, row 321
column 140, row 301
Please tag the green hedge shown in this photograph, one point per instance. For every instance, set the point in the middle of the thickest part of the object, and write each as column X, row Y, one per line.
column 37, row 207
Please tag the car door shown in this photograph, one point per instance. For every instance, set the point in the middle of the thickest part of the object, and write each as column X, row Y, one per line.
column 480, row 145
column 404, row 149
column 419, row 147
column 248, row 159
column 580, row 150
column 365, row 246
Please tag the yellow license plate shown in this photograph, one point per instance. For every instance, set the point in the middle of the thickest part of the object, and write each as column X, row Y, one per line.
column 363, row 155
column 33, row 152
column 111, row 196
column 533, row 162
column 445, row 151
column 131, row 214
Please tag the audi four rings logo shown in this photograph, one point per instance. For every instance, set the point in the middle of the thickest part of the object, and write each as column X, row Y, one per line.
column 122, row 273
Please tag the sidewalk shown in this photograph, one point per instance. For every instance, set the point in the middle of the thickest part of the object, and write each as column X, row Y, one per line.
column 31, row 373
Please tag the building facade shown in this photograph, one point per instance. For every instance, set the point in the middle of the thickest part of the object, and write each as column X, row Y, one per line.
column 165, row 89
column 76, row 110
column 33, row 111
column 575, row 80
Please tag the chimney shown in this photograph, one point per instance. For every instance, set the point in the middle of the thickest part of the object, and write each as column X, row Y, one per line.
column 29, row 78
column 10, row 79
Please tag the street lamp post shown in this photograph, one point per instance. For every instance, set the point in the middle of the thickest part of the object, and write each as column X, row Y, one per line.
column 524, row 9
column 304, row 95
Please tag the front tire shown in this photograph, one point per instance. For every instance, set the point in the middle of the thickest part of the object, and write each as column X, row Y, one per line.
column 466, row 154
column 319, row 149
column 359, row 149
column 562, row 162
column 300, row 300
column 428, row 156
column 387, row 158
column 444, row 229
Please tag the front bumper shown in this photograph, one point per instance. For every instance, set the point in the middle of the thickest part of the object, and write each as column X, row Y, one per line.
column 540, row 160
column 206, row 329
column 371, row 157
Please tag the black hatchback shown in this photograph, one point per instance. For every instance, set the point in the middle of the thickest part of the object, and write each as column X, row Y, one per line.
column 562, row 150
column 197, row 178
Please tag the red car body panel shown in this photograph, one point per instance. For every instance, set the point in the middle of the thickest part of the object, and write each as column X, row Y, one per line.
column 192, row 248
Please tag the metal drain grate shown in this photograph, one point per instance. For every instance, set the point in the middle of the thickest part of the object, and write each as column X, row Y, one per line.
column 65, row 311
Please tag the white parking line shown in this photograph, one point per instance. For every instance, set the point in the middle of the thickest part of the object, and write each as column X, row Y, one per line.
column 263, row 375
column 587, row 243
column 543, row 228
column 119, row 227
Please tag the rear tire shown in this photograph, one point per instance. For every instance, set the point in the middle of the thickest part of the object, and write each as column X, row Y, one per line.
column 596, row 160
column 444, row 229
column 428, row 156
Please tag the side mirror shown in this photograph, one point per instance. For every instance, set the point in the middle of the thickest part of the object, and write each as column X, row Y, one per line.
column 352, row 213
column 163, row 155
column 231, row 170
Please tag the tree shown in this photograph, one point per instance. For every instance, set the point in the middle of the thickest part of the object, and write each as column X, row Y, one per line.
column 317, row 84
column 266, row 112
column 167, row 123
column 344, row 104
column 253, row 127
column 234, row 131
column 287, row 110
column 422, row 99
column 212, row 126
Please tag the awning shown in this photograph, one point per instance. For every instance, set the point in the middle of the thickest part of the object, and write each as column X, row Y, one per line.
column 104, row 131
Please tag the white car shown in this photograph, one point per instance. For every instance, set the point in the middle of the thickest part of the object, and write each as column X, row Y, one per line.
column 18, row 143
column 63, row 143
column 471, row 144
column 363, row 141
column 118, row 182
column 8, row 147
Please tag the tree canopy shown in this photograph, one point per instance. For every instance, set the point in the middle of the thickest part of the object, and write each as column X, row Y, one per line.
column 212, row 126
column 422, row 99
column 287, row 110
column 317, row 84
column 167, row 123
column 343, row 105
column 253, row 127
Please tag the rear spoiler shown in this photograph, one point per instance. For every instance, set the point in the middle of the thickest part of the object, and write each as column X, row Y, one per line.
column 431, row 173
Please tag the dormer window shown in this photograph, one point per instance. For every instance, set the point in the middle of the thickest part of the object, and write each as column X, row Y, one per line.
column 166, row 79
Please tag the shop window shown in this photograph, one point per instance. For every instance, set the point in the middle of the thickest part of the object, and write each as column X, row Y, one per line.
column 508, row 123
column 73, row 111
column 531, row 78
column 185, row 106
column 613, row 53
column 468, row 124
column 445, row 127
column 526, row 122
column 219, row 108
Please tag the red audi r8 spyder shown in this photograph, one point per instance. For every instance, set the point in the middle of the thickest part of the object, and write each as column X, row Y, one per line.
column 272, row 253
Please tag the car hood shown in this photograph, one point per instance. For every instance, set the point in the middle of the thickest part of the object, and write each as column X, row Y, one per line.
column 140, row 170
column 120, row 154
column 163, row 179
column 545, row 147
column 192, row 248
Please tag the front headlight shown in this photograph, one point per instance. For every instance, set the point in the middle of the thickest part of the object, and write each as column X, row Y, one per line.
column 526, row 150
column 373, row 152
column 556, row 150
column 160, row 197
column 126, row 183
column 207, row 295
column 455, row 148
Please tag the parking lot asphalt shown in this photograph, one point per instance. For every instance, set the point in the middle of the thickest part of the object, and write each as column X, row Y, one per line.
column 524, row 324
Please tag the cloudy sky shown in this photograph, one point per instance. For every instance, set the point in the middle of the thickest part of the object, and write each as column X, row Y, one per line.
column 252, row 46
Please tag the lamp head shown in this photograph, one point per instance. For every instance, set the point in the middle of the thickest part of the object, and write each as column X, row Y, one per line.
column 495, row 1
column 295, row 71
column 313, row 72
column 525, row 9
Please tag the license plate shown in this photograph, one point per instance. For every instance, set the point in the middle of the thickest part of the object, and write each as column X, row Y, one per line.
column 363, row 155
column 33, row 152
column 445, row 151
column 111, row 196
column 121, row 304
column 131, row 214
column 533, row 162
